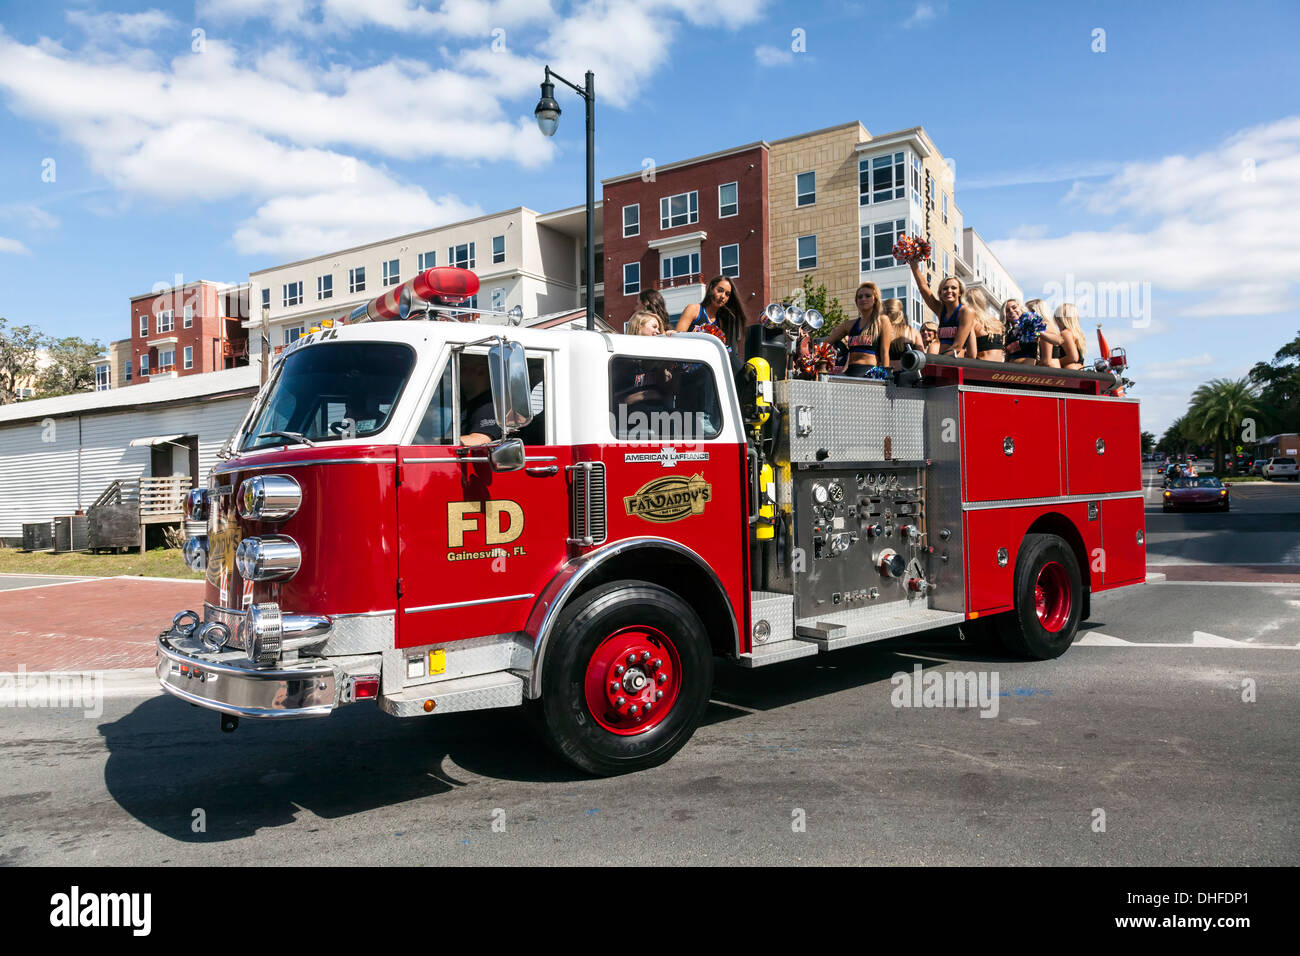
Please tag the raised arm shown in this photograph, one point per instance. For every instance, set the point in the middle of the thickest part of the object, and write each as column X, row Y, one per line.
column 929, row 297
column 965, row 329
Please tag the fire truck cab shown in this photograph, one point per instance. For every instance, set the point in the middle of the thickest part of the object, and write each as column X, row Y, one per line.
column 434, row 517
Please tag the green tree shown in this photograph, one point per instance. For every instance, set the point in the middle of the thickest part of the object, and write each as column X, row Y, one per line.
column 19, row 348
column 1279, row 388
column 1148, row 443
column 1219, row 411
column 71, row 367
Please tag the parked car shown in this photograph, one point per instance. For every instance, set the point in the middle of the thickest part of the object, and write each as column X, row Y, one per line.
column 1196, row 493
column 1281, row 468
column 1257, row 466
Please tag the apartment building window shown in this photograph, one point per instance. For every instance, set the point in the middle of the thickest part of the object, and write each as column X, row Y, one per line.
column 805, row 189
column 931, row 190
column 166, row 358
column 729, row 261
column 632, row 220
column 101, row 378
column 166, row 320
column 946, row 270
column 807, row 249
column 728, row 200
column 916, row 180
column 880, row 178
column 918, row 306
column 427, row 260
column 189, row 316
column 189, row 356
column 878, row 240
column 127, row 376
column 293, row 333
column 462, row 256
column 632, row 278
column 325, row 287
column 293, row 293
column 945, row 207
column 498, row 249
column 144, row 364
column 266, row 297
column 680, row 210
column 144, row 324
column 679, row 267
column 357, row 279
column 471, row 302
column 392, row 273
column 499, row 299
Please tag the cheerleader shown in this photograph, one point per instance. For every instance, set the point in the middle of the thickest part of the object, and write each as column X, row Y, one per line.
column 955, row 322
column 652, row 300
column 930, row 337
column 990, row 336
column 722, row 307
column 1014, row 350
column 1075, row 344
column 869, row 337
column 1051, row 344
column 645, row 322
column 902, row 335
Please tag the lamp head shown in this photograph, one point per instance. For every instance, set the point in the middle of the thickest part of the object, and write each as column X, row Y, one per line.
column 548, row 111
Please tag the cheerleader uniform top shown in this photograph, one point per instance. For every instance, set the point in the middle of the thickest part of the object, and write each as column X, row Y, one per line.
column 860, row 344
column 989, row 343
column 701, row 320
column 948, row 329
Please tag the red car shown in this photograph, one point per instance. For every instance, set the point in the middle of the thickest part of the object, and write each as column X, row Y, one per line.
column 1196, row 493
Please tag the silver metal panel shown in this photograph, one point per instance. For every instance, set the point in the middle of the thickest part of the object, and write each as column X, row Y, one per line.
column 846, row 633
column 777, row 609
column 1070, row 395
column 943, row 500
column 907, row 412
column 866, row 617
column 471, row 657
column 850, row 419
column 776, row 653
column 483, row 692
column 359, row 634
column 1056, row 500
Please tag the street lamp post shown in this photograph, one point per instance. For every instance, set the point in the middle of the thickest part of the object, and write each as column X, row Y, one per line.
column 548, row 120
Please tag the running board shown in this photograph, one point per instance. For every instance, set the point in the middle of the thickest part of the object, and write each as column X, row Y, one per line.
column 776, row 653
column 480, row 692
column 830, row 632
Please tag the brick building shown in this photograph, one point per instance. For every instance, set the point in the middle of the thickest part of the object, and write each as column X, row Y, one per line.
column 677, row 226
column 186, row 330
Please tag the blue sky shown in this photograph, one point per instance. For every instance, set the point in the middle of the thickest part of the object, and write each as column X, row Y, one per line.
column 1169, row 163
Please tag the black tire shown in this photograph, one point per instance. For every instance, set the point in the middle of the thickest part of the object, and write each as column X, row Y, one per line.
column 587, row 627
column 1022, row 631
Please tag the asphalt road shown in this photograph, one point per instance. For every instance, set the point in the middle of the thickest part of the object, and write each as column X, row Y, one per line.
column 1158, row 739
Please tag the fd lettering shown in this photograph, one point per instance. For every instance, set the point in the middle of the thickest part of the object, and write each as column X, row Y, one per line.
column 503, row 522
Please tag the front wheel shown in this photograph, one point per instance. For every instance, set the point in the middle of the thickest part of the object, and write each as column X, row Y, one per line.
column 626, row 679
column 1048, row 599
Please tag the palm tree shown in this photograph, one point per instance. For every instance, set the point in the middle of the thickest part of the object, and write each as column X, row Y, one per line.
column 1219, row 410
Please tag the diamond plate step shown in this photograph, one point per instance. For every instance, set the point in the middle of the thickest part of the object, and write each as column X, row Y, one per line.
column 830, row 632
column 481, row 692
column 775, row 653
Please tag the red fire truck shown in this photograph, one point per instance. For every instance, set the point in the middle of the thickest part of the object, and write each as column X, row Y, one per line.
column 435, row 517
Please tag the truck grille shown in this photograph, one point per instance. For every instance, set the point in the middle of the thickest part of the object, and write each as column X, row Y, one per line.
column 587, row 512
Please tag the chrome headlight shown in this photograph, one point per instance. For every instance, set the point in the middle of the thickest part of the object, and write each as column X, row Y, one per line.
column 196, row 504
column 269, row 558
column 196, row 552
column 269, row 498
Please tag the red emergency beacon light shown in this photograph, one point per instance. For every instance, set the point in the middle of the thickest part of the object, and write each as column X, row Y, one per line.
column 441, row 286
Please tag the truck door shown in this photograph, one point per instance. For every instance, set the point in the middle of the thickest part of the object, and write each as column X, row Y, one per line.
column 476, row 547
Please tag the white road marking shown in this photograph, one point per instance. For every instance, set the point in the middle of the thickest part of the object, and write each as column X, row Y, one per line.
column 1098, row 639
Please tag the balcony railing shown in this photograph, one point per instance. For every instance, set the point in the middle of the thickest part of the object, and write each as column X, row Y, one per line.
column 673, row 282
column 237, row 349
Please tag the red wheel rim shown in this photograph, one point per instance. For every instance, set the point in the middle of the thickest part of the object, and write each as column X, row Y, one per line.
column 633, row 680
column 1052, row 597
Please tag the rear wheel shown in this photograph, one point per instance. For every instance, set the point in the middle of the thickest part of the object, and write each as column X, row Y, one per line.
column 626, row 679
column 1048, row 599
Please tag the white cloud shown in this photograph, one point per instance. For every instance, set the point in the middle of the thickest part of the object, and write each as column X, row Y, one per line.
column 1203, row 224
column 1178, row 368
column 1041, row 174
column 135, row 27
column 923, row 14
column 772, row 56
column 14, row 246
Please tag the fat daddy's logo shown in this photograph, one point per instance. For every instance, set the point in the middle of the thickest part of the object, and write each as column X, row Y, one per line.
column 671, row 498
column 501, row 522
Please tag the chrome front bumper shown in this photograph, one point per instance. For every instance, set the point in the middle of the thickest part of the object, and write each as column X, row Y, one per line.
column 225, row 681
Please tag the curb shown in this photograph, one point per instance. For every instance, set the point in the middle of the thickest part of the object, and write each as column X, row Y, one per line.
column 16, row 687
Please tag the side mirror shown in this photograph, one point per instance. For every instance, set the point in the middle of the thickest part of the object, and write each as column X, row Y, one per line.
column 507, row 455
column 511, row 391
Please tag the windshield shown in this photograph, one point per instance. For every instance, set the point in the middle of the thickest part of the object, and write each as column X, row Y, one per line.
column 330, row 392
column 1197, row 483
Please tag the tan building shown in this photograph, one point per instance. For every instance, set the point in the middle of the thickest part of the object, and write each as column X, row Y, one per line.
column 840, row 197
column 113, row 369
